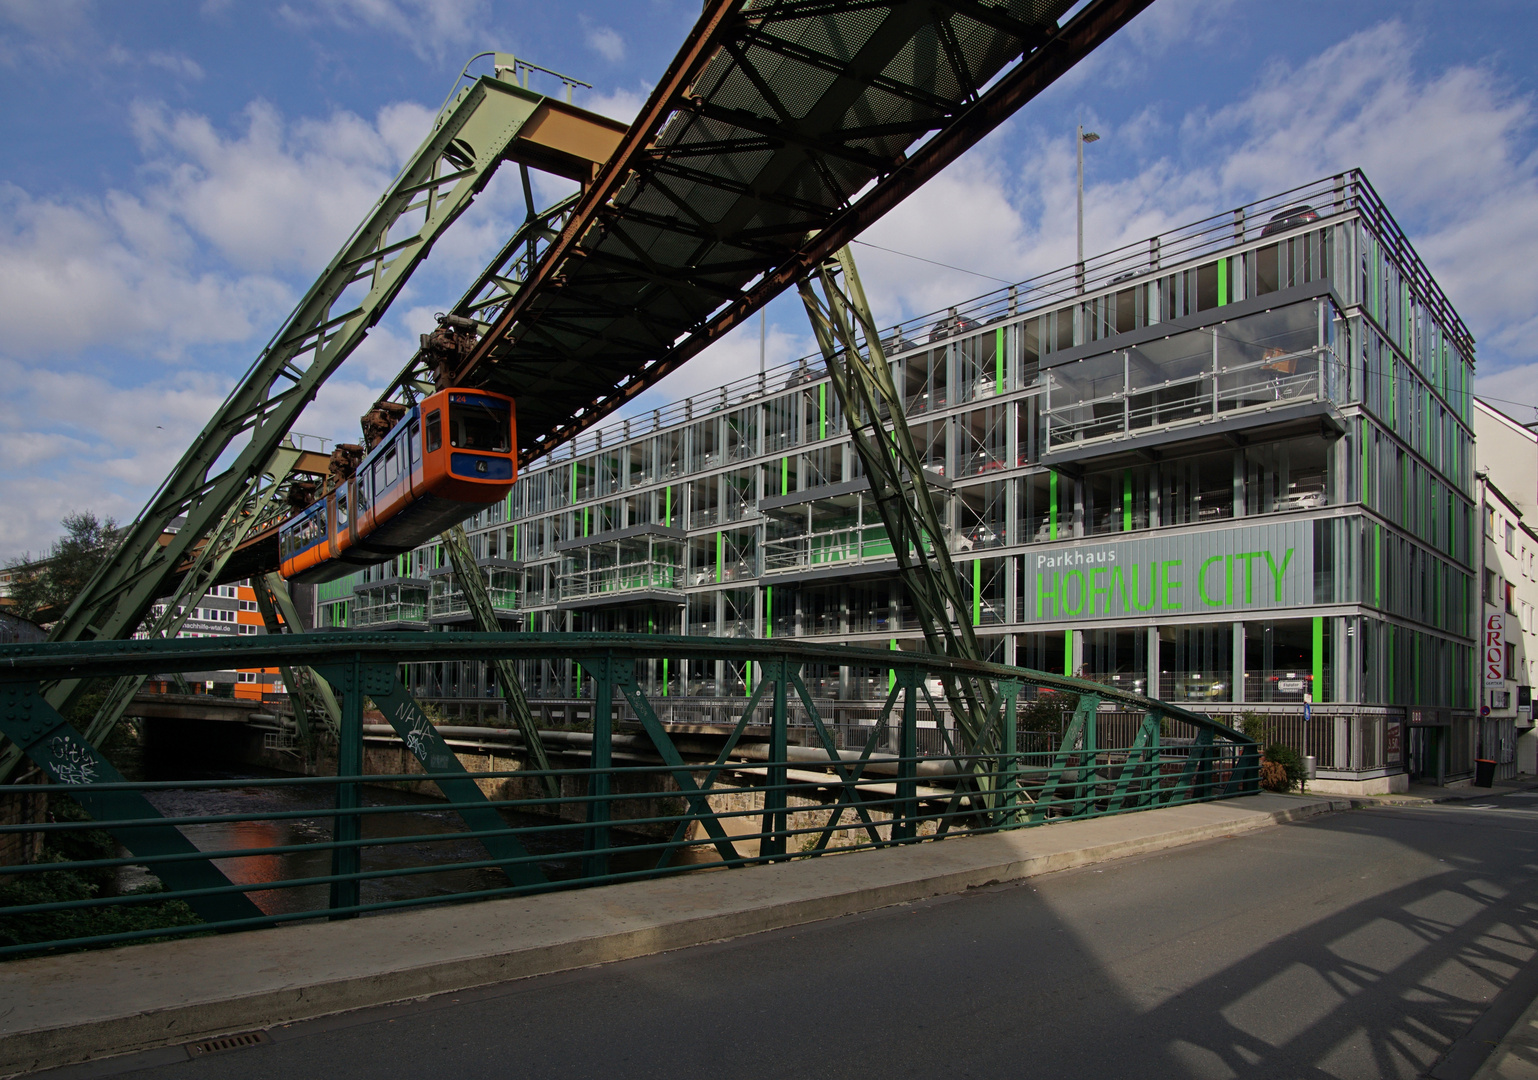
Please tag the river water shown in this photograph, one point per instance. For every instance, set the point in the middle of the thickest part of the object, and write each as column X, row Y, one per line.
column 562, row 845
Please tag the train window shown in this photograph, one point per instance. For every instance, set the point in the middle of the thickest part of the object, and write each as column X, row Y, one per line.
column 341, row 508
column 364, row 494
column 415, row 443
column 434, row 432
column 480, row 426
column 391, row 466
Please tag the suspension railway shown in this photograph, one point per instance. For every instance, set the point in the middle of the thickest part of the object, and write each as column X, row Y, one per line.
column 779, row 131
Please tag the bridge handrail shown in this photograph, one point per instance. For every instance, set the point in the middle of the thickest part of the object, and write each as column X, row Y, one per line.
column 77, row 659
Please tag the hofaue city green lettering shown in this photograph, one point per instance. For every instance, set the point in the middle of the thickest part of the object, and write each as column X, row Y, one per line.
column 1112, row 589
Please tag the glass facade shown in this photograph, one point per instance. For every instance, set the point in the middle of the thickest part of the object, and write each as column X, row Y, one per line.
column 1265, row 439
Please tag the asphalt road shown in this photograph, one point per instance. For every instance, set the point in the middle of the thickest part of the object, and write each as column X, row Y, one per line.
column 1377, row 943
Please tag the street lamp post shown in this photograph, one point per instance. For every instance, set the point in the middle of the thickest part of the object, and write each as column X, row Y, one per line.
column 1083, row 137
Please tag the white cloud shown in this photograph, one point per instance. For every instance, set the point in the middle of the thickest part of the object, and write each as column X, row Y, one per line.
column 203, row 252
column 1444, row 152
column 276, row 196
column 620, row 104
column 77, row 274
column 605, row 41
column 174, row 63
column 44, row 18
column 430, row 27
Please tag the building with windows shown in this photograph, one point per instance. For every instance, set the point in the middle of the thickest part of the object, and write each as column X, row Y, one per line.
column 1230, row 466
column 1507, row 490
column 228, row 611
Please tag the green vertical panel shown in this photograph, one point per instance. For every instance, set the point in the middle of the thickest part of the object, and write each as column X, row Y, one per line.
column 1222, row 282
column 515, row 542
column 768, row 611
column 1068, row 652
column 1318, row 684
column 891, row 676
column 1126, row 500
column 573, row 481
column 977, row 591
column 667, row 495
column 785, row 475
column 1052, row 507
column 822, row 410
column 998, row 361
column 1377, row 565
column 664, row 676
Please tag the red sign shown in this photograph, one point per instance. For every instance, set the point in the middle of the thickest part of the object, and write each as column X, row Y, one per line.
column 1495, row 650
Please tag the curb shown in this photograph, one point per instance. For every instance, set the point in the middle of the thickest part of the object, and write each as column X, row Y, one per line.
column 610, row 923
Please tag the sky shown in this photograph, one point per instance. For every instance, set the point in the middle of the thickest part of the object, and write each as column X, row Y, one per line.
column 175, row 173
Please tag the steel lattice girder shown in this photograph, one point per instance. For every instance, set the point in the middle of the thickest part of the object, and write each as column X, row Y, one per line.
column 315, row 706
column 862, row 380
column 481, row 128
column 467, row 575
column 780, row 131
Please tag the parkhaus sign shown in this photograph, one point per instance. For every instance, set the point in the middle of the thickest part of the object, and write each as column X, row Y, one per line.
column 1246, row 568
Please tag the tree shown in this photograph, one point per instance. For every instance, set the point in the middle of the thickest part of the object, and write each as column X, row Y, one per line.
column 44, row 587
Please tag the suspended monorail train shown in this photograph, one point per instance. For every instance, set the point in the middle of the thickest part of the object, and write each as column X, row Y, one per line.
column 446, row 458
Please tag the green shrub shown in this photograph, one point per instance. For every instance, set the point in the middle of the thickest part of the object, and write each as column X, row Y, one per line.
column 1291, row 762
column 56, row 886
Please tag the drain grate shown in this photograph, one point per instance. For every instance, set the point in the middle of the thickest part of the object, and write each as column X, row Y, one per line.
column 226, row 1042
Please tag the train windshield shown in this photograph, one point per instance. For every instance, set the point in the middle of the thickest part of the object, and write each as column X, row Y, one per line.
column 478, row 423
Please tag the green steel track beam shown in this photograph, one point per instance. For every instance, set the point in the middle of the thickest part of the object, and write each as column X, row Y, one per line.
column 471, row 137
column 467, row 575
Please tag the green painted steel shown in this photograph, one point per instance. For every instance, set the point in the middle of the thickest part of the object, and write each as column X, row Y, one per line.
column 380, row 684
column 467, row 575
column 783, row 783
column 59, row 750
column 316, row 711
column 862, row 379
column 452, row 165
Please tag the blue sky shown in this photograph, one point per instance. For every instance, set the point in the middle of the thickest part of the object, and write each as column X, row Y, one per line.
column 174, row 174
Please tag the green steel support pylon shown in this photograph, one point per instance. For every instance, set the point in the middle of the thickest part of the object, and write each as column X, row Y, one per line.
column 467, row 575
column 315, row 705
column 862, row 379
column 262, row 505
column 471, row 137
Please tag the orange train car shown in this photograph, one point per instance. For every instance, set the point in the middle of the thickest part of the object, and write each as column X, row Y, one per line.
column 451, row 454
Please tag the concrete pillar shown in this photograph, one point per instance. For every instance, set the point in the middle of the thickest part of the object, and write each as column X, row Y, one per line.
column 1238, row 664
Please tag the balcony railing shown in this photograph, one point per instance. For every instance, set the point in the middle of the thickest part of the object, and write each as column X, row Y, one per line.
column 454, row 603
column 1228, row 390
column 390, row 612
column 857, row 544
column 631, row 577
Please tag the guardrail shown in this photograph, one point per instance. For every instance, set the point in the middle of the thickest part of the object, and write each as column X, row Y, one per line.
column 633, row 803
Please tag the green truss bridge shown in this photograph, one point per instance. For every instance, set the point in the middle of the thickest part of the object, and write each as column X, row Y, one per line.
column 780, row 130
column 627, row 795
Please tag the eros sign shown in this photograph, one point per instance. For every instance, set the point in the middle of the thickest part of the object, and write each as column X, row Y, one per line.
column 1495, row 649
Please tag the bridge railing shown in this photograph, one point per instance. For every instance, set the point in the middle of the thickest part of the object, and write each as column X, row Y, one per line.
column 410, row 812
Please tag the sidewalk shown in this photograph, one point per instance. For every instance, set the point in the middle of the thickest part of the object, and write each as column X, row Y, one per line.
column 1425, row 794
column 1516, row 1057
column 59, row 1010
